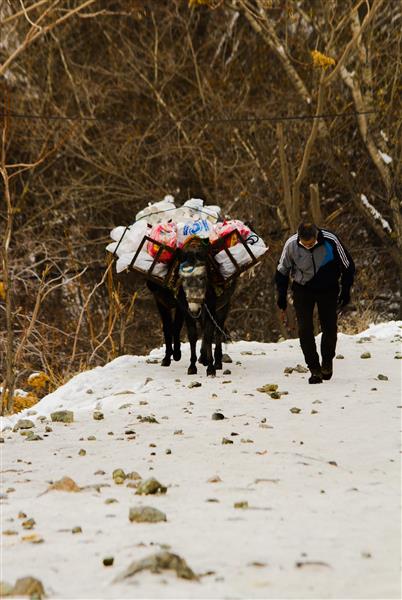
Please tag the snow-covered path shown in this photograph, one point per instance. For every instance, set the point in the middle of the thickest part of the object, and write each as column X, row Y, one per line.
column 322, row 485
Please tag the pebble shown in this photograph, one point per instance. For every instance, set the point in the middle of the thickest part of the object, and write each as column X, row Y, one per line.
column 98, row 415
column 108, row 561
column 382, row 377
column 76, row 529
column 242, row 504
column 226, row 358
column 33, row 437
column 339, row 356
column 168, row 451
column 23, row 424
column 146, row 514
column 148, row 419
column 217, row 416
column 82, row 452
column 268, row 388
column 227, row 372
column 300, row 369
column 295, row 410
column 29, row 586
column 194, row 384
column 118, row 473
column 365, row 355
column 28, row 524
column 150, row 486
column 226, row 441
column 62, row 416
column 91, row 438
column 133, row 475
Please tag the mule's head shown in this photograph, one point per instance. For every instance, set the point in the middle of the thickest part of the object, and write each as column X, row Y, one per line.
column 193, row 273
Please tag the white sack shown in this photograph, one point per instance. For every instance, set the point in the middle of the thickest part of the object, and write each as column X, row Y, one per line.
column 157, row 212
column 142, row 262
column 240, row 254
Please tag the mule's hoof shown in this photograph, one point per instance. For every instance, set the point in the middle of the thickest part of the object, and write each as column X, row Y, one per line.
column 176, row 355
column 218, row 366
column 211, row 372
column 166, row 362
column 203, row 360
column 192, row 370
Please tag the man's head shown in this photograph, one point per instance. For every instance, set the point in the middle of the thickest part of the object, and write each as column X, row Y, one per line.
column 307, row 233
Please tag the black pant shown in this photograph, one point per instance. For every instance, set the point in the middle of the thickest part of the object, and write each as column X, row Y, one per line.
column 304, row 300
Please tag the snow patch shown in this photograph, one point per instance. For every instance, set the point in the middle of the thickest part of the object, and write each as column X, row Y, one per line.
column 377, row 216
column 385, row 157
column 110, row 386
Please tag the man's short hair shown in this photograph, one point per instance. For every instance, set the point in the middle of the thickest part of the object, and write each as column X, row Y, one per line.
column 307, row 230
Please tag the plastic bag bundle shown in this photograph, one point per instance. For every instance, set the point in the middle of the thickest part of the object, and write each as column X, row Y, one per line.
column 127, row 240
column 240, row 254
column 195, row 209
column 165, row 233
column 174, row 226
column 222, row 229
column 200, row 228
column 157, row 212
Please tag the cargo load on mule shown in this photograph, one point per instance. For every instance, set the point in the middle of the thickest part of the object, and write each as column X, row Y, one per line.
column 153, row 243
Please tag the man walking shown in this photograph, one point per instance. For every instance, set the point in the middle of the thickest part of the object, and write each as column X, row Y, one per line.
column 316, row 260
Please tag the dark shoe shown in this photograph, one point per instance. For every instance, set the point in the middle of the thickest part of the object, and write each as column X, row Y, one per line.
column 316, row 376
column 326, row 370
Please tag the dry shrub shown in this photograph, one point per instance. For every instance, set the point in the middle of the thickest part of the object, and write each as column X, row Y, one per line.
column 358, row 320
column 21, row 402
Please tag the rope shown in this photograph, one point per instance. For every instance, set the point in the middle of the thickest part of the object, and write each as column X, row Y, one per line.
column 274, row 118
column 225, row 335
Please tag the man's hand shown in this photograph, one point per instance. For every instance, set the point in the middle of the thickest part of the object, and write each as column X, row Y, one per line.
column 282, row 302
column 344, row 297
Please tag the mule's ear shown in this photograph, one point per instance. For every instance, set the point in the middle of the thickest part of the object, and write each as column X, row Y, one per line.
column 250, row 226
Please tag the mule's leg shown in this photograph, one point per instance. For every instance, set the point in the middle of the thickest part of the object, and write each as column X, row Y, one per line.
column 166, row 317
column 177, row 325
column 203, row 353
column 221, row 315
column 209, row 329
column 192, row 338
column 218, row 352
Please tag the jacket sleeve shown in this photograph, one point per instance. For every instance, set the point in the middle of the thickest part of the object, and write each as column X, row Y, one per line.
column 283, row 270
column 347, row 264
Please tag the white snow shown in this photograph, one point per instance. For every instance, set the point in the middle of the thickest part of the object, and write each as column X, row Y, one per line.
column 385, row 157
column 384, row 136
column 33, row 376
column 339, row 522
column 377, row 216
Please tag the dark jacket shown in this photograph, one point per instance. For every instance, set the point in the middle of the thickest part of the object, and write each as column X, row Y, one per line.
column 318, row 268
